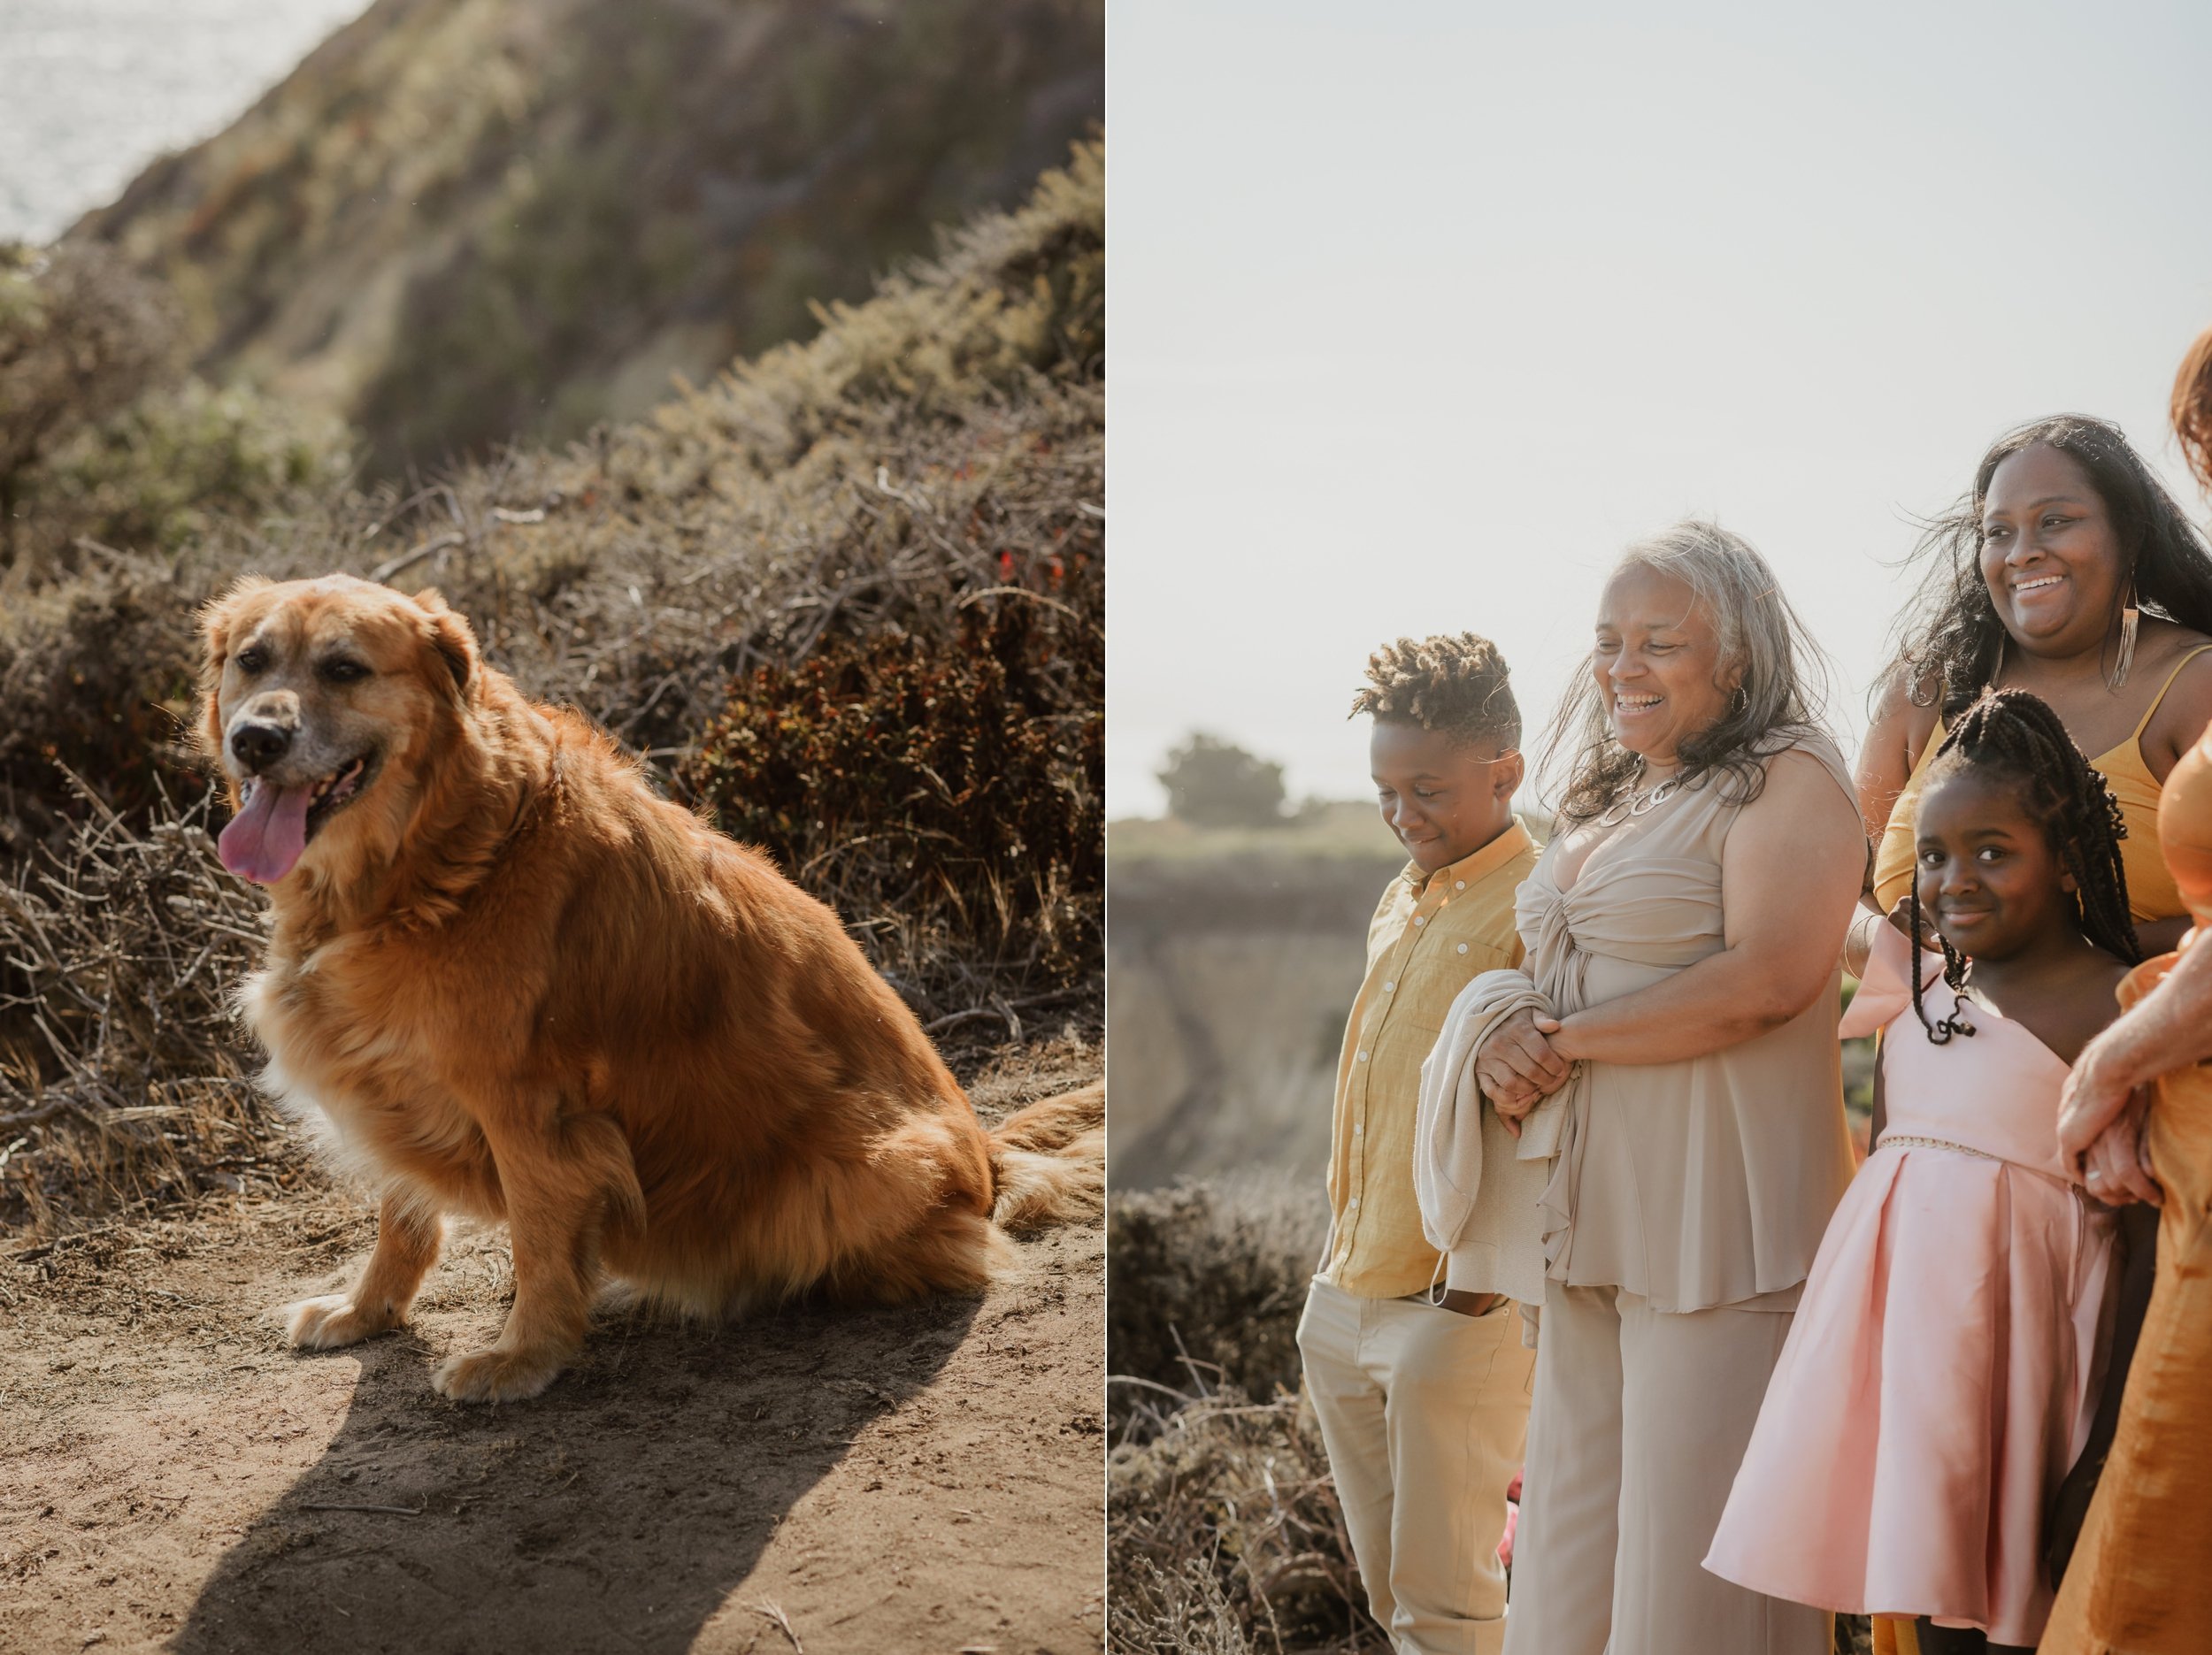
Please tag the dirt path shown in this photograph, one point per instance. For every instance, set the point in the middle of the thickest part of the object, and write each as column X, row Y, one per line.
column 927, row 1478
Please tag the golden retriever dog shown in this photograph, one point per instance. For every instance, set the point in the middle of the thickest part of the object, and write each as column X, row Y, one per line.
column 510, row 982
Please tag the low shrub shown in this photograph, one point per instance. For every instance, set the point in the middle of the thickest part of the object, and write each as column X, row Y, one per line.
column 1206, row 1281
column 125, row 1079
column 81, row 335
column 1222, row 1529
column 179, row 462
column 949, row 791
column 96, row 674
column 1224, row 1534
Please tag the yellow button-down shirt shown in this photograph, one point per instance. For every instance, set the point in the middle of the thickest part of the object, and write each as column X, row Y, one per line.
column 1431, row 937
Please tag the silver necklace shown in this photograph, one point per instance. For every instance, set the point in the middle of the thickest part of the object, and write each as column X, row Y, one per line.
column 1636, row 804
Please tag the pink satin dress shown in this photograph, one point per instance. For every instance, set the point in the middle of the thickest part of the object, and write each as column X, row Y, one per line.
column 1944, row 1365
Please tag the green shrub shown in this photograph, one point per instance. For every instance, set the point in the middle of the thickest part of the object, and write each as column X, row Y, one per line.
column 911, row 455
column 80, row 335
column 180, row 460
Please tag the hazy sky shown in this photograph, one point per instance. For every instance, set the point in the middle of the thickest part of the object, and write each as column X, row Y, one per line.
column 91, row 90
column 1420, row 311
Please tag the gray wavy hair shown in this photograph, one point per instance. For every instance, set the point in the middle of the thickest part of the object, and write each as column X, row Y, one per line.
column 1785, row 678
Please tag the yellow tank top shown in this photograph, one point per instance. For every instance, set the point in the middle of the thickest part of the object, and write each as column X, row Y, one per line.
column 2152, row 893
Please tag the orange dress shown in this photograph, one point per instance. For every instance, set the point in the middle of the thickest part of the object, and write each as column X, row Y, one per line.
column 2140, row 1581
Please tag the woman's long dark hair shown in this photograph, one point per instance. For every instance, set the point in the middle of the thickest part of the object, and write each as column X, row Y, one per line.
column 1950, row 635
column 2016, row 736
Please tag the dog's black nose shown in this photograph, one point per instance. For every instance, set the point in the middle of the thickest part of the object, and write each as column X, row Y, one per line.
column 260, row 746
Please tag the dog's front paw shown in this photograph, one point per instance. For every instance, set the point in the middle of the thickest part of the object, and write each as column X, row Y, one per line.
column 497, row 1375
column 335, row 1320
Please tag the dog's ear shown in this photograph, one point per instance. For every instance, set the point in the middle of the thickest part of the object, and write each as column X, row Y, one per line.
column 452, row 637
column 218, row 621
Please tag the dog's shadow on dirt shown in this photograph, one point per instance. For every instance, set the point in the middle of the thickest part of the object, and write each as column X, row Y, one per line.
column 618, row 1510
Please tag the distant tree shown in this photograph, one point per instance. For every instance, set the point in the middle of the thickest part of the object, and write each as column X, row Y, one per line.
column 1212, row 783
column 81, row 335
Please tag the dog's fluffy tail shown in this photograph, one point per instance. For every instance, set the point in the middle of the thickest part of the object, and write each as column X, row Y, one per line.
column 1048, row 1160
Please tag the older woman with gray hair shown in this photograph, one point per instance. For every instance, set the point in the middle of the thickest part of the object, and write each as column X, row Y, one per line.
column 1685, row 924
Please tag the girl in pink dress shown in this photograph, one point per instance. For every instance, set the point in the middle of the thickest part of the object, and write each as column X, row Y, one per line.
column 1946, row 1357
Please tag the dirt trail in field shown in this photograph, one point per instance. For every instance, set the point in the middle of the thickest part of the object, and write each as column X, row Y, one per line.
column 926, row 1478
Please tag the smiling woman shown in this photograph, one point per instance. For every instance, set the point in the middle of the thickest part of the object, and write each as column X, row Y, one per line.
column 2069, row 572
column 1682, row 926
column 1682, row 661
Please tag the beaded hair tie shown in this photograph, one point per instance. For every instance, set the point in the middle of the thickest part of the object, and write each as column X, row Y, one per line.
column 1957, row 1022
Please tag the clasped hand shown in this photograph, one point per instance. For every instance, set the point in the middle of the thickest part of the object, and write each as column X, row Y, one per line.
column 1900, row 915
column 2100, row 1127
column 1517, row 1067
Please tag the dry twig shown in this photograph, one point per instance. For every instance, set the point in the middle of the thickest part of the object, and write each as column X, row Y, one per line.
column 773, row 1613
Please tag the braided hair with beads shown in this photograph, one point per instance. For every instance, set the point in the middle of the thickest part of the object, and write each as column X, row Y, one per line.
column 2015, row 735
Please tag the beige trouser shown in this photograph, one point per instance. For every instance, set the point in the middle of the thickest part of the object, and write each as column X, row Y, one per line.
column 1641, row 1418
column 1424, row 1412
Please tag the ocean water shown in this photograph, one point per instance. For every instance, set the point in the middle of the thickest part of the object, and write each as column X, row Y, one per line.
column 91, row 90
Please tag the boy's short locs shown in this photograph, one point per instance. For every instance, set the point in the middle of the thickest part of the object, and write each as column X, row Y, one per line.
column 1455, row 682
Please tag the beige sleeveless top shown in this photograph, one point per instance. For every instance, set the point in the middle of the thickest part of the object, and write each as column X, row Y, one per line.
column 1704, row 1181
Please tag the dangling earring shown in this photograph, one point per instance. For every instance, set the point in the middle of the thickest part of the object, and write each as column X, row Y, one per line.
column 2130, row 619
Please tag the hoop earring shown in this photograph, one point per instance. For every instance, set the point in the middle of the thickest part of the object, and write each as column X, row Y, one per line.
column 1740, row 702
column 2131, row 622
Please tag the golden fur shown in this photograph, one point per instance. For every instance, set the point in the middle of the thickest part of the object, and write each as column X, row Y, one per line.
column 519, row 986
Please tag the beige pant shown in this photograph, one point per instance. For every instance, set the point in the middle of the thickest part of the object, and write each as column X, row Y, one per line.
column 1424, row 1412
column 1641, row 1418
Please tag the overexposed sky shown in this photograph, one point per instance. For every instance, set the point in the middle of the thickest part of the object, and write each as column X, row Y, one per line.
column 93, row 90
column 1421, row 311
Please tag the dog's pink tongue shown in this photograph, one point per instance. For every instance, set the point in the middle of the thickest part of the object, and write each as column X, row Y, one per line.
column 269, row 835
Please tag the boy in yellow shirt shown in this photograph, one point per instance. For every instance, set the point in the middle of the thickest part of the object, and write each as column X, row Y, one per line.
column 1422, row 1396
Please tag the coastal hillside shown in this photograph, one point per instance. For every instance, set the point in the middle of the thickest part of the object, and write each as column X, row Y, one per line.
column 1234, row 956
column 462, row 222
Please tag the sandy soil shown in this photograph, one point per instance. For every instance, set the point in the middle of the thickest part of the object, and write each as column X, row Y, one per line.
column 927, row 1478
